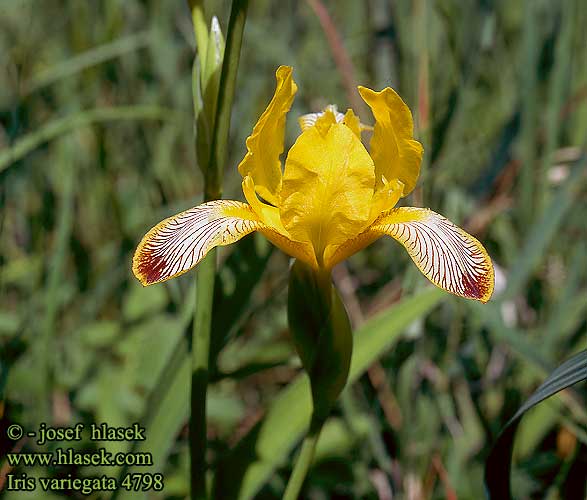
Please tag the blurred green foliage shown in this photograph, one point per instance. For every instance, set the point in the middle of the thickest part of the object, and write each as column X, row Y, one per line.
column 97, row 145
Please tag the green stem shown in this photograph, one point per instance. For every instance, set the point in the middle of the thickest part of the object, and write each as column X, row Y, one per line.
column 205, row 278
column 304, row 460
column 234, row 36
column 207, row 268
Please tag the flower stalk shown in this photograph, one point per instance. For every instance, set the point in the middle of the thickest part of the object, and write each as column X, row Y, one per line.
column 303, row 462
column 321, row 332
column 212, row 167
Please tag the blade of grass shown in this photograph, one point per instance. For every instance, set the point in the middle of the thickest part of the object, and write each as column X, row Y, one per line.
column 555, row 326
column 55, row 268
column 498, row 465
column 541, row 232
column 161, row 431
column 61, row 126
column 557, row 93
column 526, row 351
column 87, row 59
column 166, row 408
column 529, row 82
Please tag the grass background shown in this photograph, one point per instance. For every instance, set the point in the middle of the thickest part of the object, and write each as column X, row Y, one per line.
column 97, row 145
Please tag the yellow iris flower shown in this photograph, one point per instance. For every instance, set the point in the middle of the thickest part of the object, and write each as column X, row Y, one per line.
column 331, row 199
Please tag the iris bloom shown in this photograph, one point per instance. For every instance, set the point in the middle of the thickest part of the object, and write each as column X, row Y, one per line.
column 331, row 199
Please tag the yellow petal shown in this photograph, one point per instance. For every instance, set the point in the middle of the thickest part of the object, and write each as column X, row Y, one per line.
column 273, row 228
column 178, row 243
column 268, row 214
column 265, row 144
column 386, row 197
column 352, row 121
column 296, row 249
column 309, row 120
column 448, row 256
column 326, row 119
column 337, row 253
column 327, row 185
column 395, row 153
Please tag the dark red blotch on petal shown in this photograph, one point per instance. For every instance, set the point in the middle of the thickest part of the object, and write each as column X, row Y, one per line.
column 151, row 268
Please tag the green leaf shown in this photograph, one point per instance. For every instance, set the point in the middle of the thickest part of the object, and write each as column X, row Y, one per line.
column 168, row 404
column 163, row 424
column 338, row 441
column 498, row 465
column 143, row 301
column 9, row 323
column 267, row 446
column 99, row 333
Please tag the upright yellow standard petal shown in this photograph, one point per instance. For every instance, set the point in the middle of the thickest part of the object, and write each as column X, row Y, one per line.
column 327, row 185
column 273, row 228
column 386, row 197
column 352, row 121
column 395, row 152
column 309, row 120
column 265, row 144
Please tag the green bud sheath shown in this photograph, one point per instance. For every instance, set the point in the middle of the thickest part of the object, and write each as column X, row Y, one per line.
column 208, row 77
column 321, row 332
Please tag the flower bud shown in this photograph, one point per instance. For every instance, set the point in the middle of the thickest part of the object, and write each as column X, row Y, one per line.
column 321, row 332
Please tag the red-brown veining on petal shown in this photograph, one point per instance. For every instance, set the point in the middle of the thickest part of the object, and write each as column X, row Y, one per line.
column 446, row 255
column 178, row 243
